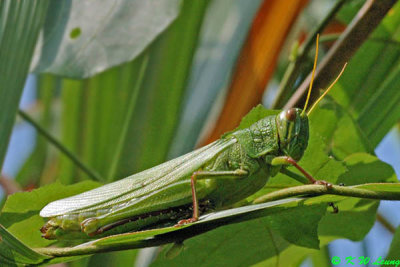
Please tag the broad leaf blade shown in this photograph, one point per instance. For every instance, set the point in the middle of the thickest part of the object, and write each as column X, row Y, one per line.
column 394, row 251
column 13, row 251
column 374, row 87
column 156, row 115
column 93, row 115
column 338, row 130
column 256, row 241
column 256, row 114
column 20, row 214
column 267, row 214
column 81, row 39
column 20, row 23
column 207, row 222
column 73, row 106
column 226, row 25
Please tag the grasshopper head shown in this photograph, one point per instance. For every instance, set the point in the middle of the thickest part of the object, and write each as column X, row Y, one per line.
column 292, row 124
column 292, row 127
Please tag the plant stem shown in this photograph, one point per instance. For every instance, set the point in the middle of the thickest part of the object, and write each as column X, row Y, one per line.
column 317, row 190
column 92, row 173
column 294, row 68
column 363, row 24
column 9, row 185
column 91, row 249
column 334, row 36
column 385, row 223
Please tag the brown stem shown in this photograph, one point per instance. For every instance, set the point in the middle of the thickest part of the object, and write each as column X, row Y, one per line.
column 9, row 186
column 385, row 223
column 363, row 24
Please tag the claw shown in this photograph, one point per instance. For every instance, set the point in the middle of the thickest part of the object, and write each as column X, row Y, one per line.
column 322, row 182
column 185, row 221
column 90, row 226
column 334, row 207
column 49, row 232
column 44, row 229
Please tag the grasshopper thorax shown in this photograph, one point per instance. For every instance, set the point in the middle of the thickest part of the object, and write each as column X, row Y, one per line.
column 292, row 126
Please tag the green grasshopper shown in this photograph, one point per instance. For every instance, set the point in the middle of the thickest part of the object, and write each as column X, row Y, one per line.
column 210, row 178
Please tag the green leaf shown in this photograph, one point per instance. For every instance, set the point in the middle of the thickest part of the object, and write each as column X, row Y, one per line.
column 213, row 220
column 354, row 220
column 357, row 216
column 19, row 30
column 156, row 114
column 365, row 168
column 20, row 214
column 206, row 223
column 81, row 39
column 256, row 114
column 109, row 100
column 118, row 258
column 73, row 107
column 212, row 67
column 246, row 244
column 299, row 225
column 291, row 255
column 321, row 258
column 304, row 213
column 104, row 101
column 338, row 130
column 13, row 251
column 349, row 10
column 256, row 241
column 372, row 93
column 394, row 251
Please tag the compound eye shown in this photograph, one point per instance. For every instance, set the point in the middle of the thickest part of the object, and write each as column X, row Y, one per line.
column 291, row 114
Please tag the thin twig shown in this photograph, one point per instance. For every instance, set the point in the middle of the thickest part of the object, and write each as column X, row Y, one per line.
column 363, row 24
column 294, row 68
column 9, row 185
column 69, row 154
column 317, row 190
column 385, row 223
column 334, row 36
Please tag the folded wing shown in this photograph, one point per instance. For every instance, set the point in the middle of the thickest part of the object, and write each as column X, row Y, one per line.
column 138, row 185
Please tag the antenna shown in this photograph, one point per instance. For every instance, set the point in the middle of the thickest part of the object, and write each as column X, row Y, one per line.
column 327, row 90
column 312, row 76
